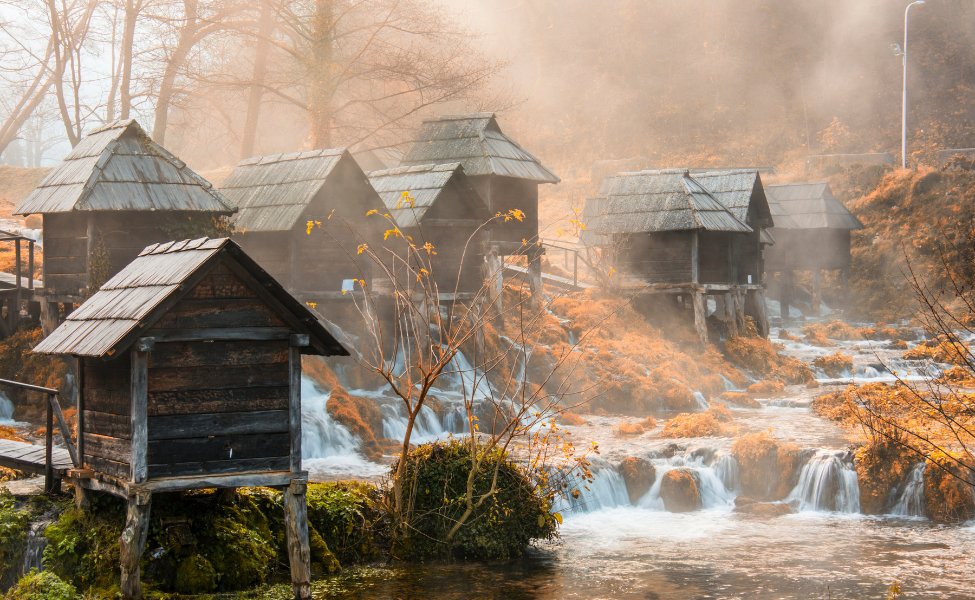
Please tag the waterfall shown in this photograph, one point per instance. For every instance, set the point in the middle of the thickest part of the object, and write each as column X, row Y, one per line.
column 426, row 428
column 322, row 437
column 34, row 550
column 727, row 470
column 701, row 401
column 911, row 501
column 827, row 483
column 6, row 408
column 607, row 490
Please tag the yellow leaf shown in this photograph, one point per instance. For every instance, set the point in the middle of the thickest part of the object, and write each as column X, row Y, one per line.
column 372, row 212
column 558, row 517
column 313, row 305
column 362, row 248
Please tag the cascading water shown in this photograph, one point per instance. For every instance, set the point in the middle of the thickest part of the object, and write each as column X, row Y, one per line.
column 727, row 470
column 607, row 490
column 827, row 482
column 911, row 501
column 325, row 443
column 34, row 547
column 6, row 408
column 702, row 402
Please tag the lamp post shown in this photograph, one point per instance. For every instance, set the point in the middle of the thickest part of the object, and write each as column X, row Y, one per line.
column 907, row 12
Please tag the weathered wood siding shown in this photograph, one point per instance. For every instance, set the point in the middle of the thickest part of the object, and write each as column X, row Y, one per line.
column 747, row 258
column 503, row 194
column 218, row 407
column 808, row 249
column 65, row 254
column 657, row 258
column 717, row 259
column 452, row 226
column 107, row 406
column 310, row 263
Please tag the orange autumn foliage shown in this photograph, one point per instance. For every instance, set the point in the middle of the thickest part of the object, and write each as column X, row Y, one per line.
column 635, row 427
column 713, row 423
column 835, row 364
column 762, row 358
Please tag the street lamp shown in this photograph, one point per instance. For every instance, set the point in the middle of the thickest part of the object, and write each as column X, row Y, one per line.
column 907, row 11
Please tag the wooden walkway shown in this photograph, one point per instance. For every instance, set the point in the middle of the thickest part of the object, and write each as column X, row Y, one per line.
column 563, row 283
column 30, row 458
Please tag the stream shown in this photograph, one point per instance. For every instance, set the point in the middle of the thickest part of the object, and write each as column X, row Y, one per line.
column 610, row 547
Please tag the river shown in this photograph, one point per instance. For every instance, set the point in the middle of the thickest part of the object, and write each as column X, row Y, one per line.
column 612, row 548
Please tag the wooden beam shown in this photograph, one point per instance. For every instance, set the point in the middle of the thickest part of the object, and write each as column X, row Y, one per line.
column 695, row 258
column 139, row 421
column 230, row 334
column 700, row 316
column 294, row 406
column 132, row 542
column 296, row 530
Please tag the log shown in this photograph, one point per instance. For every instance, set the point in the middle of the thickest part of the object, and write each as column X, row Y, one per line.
column 132, row 542
column 296, row 528
column 729, row 315
column 700, row 316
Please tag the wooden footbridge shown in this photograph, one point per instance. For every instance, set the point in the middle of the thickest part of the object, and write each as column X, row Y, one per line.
column 51, row 461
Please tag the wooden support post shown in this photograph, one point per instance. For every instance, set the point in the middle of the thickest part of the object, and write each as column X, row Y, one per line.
column 15, row 309
column 739, row 298
column 695, row 259
column 48, row 450
column 294, row 406
column 30, row 265
column 296, row 530
column 494, row 274
column 49, row 317
column 729, row 314
column 133, row 541
column 700, row 315
column 761, row 312
column 535, row 276
column 785, row 295
column 817, row 291
column 139, row 409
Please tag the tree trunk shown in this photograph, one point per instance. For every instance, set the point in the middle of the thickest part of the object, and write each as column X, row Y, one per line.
column 261, row 50
column 187, row 38
column 132, row 9
column 319, row 76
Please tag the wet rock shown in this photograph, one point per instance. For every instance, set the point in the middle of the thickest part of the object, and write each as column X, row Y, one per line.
column 669, row 451
column 948, row 499
column 769, row 467
column 638, row 474
column 679, row 491
column 883, row 468
column 492, row 417
column 750, row 506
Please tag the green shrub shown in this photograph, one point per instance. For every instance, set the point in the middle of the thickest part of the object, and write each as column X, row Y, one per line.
column 83, row 546
column 14, row 524
column 41, row 586
column 347, row 515
column 501, row 527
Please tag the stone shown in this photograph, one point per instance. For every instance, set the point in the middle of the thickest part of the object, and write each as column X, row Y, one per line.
column 639, row 475
column 679, row 491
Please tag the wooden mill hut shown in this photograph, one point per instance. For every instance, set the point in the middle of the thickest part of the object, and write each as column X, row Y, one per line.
column 302, row 215
column 438, row 204
column 116, row 191
column 667, row 234
column 812, row 233
column 190, row 368
column 505, row 175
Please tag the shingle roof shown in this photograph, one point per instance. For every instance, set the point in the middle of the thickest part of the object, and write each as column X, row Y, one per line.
column 272, row 192
column 425, row 185
column 475, row 141
column 118, row 167
column 808, row 206
column 656, row 201
column 130, row 302
column 739, row 190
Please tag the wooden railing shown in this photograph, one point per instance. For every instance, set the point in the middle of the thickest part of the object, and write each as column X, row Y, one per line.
column 569, row 253
column 53, row 413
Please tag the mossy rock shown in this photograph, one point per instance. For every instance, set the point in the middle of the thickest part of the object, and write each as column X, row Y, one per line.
column 195, row 575
column 43, row 585
column 350, row 521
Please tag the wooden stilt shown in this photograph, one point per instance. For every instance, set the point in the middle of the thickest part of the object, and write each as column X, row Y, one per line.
column 785, row 296
column 739, row 298
column 535, row 276
column 494, row 274
column 755, row 308
column 700, row 316
column 133, row 542
column 817, row 291
column 729, row 314
column 49, row 317
column 296, row 529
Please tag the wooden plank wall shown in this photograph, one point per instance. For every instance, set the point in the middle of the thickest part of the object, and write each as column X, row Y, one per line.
column 218, row 407
column 503, row 194
column 107, row 406
column 658, row 258
column 716, row 259
column 65, row 254
column 747, row 258
column 271, row 250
